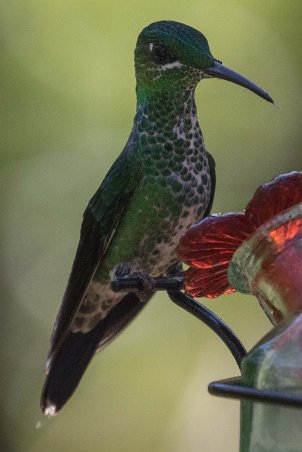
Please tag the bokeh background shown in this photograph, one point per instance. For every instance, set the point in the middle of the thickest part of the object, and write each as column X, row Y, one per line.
column 67, row 103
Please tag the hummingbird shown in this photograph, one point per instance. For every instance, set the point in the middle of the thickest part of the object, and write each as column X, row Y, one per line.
column 162, row 183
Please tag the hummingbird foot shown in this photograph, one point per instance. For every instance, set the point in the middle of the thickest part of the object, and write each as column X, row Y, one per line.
column 146, row 283
column 139, row 282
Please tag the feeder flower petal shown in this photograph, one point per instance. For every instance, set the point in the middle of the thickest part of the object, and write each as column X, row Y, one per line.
column 272, row 198
column 208, row 246
column 210, row 283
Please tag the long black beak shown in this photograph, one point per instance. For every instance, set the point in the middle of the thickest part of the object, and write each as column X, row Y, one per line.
column 218, row 70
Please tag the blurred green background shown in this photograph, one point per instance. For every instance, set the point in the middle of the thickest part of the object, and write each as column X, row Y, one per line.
column 67, row 102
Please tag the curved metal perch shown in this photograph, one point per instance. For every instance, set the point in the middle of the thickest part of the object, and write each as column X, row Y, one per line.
column 189, row 304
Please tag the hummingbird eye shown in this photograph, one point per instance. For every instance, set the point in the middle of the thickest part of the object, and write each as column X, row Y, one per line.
column 160, row 53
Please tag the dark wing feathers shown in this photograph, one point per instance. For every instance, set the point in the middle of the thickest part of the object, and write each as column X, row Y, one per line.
column 100, row 221
column 73, row 358
column 212, row 166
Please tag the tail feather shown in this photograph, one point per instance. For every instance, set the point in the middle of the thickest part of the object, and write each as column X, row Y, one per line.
column 77, row 350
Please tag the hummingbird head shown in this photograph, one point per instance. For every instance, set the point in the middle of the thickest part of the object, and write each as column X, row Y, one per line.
column 172, row 56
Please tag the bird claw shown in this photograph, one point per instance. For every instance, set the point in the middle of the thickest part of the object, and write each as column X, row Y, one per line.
column 146, row 281
column 143, row 282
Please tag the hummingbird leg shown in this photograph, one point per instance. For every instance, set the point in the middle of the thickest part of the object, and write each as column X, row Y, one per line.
column 122, row 270
column 175, row 269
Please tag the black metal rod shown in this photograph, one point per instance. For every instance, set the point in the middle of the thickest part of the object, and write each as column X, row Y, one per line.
column 135, row 284
column 234, row 388
column 212, row 321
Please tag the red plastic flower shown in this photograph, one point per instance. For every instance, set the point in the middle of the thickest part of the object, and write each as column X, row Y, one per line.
column 208, row 246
